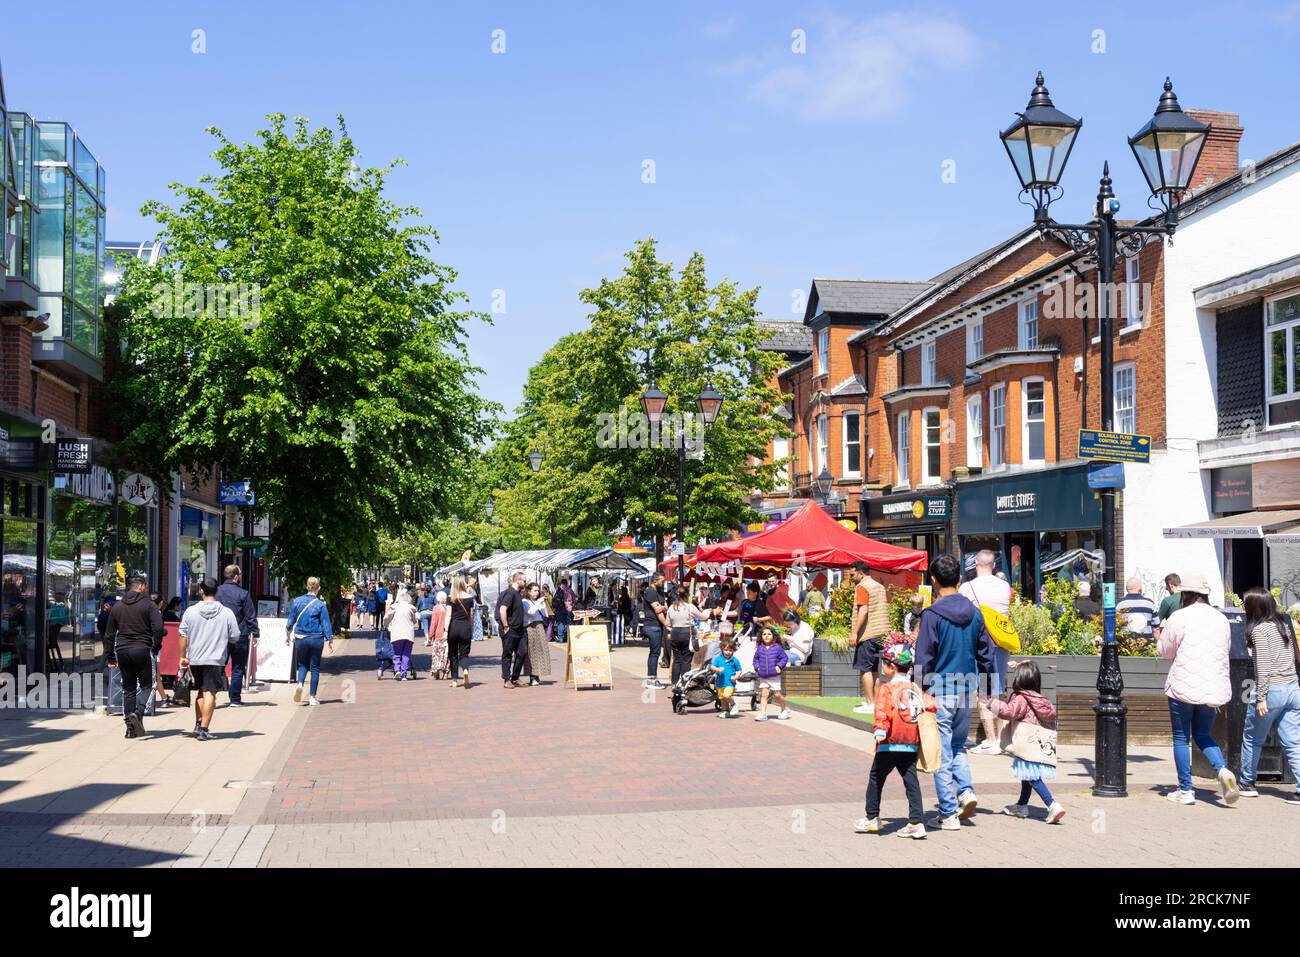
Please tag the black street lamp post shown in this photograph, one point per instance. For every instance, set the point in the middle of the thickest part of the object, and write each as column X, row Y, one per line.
column 535, row 463
column 1167, row 148
column 708, row 403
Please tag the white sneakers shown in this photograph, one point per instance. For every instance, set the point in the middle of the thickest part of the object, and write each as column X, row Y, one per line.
column 760, row 717
column 784, row 715
column 312, row 700
column 1181, row 797
column 865, row 708
column 948, row 823
column 871, row 825
column 297, row 693
column 1021, row 811
column 1228, row 785
column 967, row 804
column 985, row 747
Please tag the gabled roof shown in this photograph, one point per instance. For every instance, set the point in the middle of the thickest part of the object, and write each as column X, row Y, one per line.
column 785, row 336
column 1230, row 185
column 950, row 279
column 853, row 385
column 866, row 297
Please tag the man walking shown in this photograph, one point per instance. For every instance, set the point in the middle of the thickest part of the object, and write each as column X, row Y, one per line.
column 209, row 631
column 514, row 639
column 1135, row 612
column 133, row 634
column 233, row 596
column 1171, row 603
column 987, row 590
column 654, row 610
column 870, row 624
column 952, row 649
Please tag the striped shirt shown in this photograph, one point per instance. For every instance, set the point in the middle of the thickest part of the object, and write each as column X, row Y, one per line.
column 1274, row 658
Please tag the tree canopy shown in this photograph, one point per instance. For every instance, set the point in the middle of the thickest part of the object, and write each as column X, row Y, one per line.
column 296, row 333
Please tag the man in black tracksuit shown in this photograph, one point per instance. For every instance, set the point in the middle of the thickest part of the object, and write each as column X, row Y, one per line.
column 235, row 597
column 133, row 636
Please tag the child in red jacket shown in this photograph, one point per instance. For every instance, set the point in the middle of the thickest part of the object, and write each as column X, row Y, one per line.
column 899, row 704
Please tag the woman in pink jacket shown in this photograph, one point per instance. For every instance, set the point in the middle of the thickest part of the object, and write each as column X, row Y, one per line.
column 1196, row 639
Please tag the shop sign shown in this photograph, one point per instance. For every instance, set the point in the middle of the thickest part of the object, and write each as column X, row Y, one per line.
column 250, row 543
column 96, row 485
column 72, row 455
column 19, row 454
column 926, row 508
column 1231, row 490
column 850, row 524
column 1015, row 503
column 237, row 493
column 139, row 489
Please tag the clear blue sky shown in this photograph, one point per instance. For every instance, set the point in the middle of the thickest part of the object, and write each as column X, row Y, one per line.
column 777, row 166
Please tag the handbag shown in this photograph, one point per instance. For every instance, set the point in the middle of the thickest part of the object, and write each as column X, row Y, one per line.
column 1029, row 742
column 181, row 693
column 928, row 754
column 999, row 626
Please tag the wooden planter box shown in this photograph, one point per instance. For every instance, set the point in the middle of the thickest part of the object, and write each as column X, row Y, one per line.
column 1069, row 682
column 803, row 682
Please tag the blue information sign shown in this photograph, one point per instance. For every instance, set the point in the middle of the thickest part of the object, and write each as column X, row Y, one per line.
column 1114, row 446
column 237, row 493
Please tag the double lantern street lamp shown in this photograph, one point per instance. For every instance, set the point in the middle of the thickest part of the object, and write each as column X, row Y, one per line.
column 1167, row 148
column 708, row 403
column 535, row 463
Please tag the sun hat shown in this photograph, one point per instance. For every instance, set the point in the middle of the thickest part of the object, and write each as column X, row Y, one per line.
column 1196, row 583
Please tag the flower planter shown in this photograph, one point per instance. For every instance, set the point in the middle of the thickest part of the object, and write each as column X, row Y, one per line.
column 838, row 676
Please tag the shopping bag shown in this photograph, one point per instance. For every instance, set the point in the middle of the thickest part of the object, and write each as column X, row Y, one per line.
column 928, row 754
column 115, row 695
column 1029, row 742
column 181, row 693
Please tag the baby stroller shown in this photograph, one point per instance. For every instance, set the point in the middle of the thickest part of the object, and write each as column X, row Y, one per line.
column 695, row 688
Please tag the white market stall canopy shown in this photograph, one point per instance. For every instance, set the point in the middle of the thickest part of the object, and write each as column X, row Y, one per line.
column 1258, row 524
column 556, row 559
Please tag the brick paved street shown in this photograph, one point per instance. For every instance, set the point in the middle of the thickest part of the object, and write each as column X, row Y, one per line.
column 420, row 773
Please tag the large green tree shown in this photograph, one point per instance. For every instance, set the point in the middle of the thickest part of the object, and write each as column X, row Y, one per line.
column 296, row 333
column 582, row 400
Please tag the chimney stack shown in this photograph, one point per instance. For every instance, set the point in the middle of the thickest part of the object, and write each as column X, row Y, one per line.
column 1221, row 154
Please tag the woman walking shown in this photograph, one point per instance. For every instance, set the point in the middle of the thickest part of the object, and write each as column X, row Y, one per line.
column 401, row 620
column 308, row 626
column 1196, row 639
column 437, row 640
column 539, row 655
column 460, row 630
column 1275, row 699
column 681, row 616
column 476, row 626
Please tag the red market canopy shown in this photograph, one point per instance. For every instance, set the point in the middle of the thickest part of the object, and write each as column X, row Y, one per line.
column 813, row 539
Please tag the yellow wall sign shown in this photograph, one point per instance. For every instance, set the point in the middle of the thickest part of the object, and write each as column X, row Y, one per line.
column 589, row 664
column 850, row 524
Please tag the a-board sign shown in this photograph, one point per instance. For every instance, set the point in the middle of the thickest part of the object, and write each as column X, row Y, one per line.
column 589, row 664
column 274, row 657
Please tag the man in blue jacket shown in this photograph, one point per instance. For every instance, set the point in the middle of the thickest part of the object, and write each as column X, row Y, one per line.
column 240, row 602
column 953, row 649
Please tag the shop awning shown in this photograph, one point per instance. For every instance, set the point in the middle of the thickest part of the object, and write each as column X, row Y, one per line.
column 1259, row 524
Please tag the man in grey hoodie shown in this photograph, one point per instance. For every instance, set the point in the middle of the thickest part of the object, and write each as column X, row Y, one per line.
column 207, row 629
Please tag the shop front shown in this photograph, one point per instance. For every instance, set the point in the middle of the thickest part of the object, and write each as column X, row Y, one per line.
column 1041, row 523
column 97, row 541
column 920, row 520
column 1256, row 526
column 199, row 543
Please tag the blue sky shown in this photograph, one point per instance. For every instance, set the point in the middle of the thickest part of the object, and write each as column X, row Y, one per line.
column 777, row 165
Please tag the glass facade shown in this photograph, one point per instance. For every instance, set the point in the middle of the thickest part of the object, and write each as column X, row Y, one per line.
column 69, row 236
